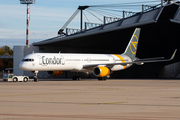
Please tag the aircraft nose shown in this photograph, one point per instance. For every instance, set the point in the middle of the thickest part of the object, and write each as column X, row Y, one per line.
column 22, row 66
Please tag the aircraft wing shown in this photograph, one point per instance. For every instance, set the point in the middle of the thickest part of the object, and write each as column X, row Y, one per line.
column 158, row 59
column 138, row 62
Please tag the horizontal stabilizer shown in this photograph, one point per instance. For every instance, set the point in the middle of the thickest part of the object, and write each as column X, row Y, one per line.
column 141, row 61
column 156, row 58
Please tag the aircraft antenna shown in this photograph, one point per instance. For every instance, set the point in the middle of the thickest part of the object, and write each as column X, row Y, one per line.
column 28, row 2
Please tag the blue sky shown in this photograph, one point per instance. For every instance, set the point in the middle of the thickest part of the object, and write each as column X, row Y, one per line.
column 46, row 18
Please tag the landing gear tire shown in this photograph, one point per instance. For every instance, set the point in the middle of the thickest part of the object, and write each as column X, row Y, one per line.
column 76, row 78
column 35, row 79
column 35, row 76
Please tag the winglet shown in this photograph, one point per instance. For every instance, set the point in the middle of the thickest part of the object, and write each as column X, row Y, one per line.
column 173, row 54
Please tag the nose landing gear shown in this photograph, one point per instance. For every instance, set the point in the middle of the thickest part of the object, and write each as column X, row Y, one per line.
column 35, row 76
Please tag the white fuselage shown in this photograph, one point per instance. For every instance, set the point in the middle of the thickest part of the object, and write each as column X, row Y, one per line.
column 71, row 62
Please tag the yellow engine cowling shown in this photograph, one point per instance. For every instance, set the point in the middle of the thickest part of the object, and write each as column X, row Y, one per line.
column 54, row 73
column 101, row 71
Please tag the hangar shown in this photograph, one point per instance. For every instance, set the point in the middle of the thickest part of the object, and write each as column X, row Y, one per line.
column 159, row 37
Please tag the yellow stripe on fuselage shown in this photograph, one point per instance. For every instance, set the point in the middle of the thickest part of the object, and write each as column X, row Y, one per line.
column 121, row 58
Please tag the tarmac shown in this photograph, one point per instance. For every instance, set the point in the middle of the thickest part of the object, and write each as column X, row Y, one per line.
column 90, row 99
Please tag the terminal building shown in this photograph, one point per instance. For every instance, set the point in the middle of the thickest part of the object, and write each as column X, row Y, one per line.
column 159, row 37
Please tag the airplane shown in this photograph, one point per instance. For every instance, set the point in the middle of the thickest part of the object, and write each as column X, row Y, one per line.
column 101, row 65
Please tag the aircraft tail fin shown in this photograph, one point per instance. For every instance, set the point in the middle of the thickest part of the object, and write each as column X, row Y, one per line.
column 131, row 49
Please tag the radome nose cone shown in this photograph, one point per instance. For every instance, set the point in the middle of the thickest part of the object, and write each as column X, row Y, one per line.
column 21, row 66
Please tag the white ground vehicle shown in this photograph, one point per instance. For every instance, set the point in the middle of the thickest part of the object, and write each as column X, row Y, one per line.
column 12, row 78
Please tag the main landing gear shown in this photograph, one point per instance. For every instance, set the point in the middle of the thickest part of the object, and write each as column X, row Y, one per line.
column 76, row 77
column 102, row 78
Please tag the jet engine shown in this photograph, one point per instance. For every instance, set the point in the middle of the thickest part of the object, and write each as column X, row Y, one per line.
column 54, row 73
column 101, row 71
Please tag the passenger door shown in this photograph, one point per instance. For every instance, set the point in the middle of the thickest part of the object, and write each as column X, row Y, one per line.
column 40, row 59
column 62, row 60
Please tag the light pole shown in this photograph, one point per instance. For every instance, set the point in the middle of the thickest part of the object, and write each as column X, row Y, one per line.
column 28, row 2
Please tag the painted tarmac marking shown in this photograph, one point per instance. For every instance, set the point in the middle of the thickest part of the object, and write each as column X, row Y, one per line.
column 110, row 103
column 41, row 94
column 91, row 116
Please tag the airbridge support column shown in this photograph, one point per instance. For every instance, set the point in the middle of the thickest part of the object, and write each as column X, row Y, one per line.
column 17, row 57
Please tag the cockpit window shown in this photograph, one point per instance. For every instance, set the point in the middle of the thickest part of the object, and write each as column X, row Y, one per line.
column 27, row 60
